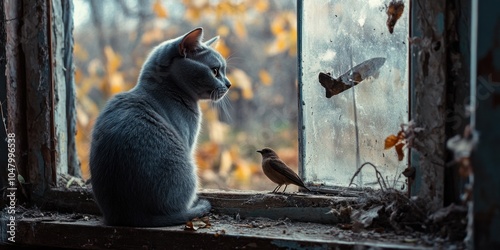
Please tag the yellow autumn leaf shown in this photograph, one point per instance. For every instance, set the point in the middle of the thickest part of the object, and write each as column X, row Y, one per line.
column 235, row 152
column 243, row 172
column 159, row 9
column 83, row 128
column 209, row 114
column 206, row 154
column 226, row 162
column 84, row 163
column 196, row 3
column 79, row 52
column 152, row 35
column 81, row 117
column 265, row 77
column 284, row 28
column 240, row 29
column 113, row 60
column 279, row 45
column 242, row 81
column 222, row 48
column 116, row 83
column 78, row 75
column 217, row 131
column 223, row 31
column 262, row 6
column 193, row 15
column 278, row 25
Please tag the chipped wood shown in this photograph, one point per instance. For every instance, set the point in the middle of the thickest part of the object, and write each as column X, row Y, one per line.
column 428, row 100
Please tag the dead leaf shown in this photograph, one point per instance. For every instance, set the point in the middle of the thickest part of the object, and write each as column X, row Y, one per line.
column 284, row 29
column 197, row 223
column 113, row 60
column 241, row 80
column 206, row 220
column 116, row 83
column 399, row 151
column 365, row 217
column 265, row 77
column 465, row 169
column 240, row 29
column 226, row 162
column 223, row 30
column 262, row 6
column 153, row 35
column 159, row 10
column 394, row 12
column 190, row 227
column 80, row 52
column 219, row 233
column 391, row 141
column 409, row 172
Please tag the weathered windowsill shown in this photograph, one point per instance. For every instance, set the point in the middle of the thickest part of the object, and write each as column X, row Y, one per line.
column 267, row 234
column 236, row 222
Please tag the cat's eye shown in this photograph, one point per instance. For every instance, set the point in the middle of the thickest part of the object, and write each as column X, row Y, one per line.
column 215, row 71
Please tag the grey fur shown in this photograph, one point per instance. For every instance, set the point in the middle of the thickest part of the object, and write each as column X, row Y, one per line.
column 141, row 158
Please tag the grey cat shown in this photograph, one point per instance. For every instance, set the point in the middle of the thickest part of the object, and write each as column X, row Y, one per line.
column 141, row 158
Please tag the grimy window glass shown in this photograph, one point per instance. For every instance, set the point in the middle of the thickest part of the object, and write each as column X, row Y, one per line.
column 354, row 90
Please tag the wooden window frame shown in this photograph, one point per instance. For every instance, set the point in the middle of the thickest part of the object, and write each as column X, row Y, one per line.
column 37, row 84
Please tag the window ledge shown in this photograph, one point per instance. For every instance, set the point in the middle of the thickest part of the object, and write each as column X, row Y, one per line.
column 236, row 222
column 259, row 233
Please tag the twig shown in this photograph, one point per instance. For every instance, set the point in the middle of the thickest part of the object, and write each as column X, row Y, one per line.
column 382, row 183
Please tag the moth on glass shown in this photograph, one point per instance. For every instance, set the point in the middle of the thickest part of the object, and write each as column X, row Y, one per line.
column 352, row 77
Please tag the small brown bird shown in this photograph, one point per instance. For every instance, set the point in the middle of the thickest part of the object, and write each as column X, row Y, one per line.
column 277, row 171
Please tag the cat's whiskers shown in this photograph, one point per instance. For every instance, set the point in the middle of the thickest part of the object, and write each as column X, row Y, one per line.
column 236, row 59
column 225, row 106
column 222, row 105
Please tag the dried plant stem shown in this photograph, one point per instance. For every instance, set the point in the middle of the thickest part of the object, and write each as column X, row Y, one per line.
column 380, row 178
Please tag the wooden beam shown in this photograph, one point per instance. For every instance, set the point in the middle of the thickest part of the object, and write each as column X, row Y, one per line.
column 40, row 166
column 15, row 86
column 428, row 99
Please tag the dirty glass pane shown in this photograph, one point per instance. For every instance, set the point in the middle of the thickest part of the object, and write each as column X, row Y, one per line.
column 347, row 129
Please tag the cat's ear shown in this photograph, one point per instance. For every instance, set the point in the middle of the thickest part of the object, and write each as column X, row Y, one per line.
column 212, row 42
column 191, row 41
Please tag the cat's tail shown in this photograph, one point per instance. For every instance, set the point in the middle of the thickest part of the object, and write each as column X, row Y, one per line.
column 200, row 208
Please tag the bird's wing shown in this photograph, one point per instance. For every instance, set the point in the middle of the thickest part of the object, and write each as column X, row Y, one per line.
column 283, row 169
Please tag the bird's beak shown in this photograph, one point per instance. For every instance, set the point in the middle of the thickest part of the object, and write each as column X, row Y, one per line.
column 259, row 151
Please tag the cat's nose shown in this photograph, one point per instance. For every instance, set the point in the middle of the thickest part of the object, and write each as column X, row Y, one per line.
column 228, row 84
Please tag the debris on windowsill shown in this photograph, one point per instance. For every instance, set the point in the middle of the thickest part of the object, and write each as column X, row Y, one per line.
column 387, row 219
column 45, row 228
